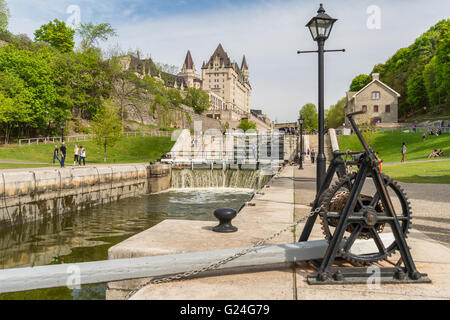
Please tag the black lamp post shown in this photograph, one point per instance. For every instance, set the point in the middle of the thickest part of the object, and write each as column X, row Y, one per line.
column 320, row 27
column 63, row 125
column 300, row 134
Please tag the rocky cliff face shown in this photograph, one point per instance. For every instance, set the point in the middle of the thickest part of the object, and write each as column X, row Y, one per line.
column 144, row 111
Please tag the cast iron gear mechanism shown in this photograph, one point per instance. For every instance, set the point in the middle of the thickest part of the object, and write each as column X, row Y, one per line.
column 367, row 210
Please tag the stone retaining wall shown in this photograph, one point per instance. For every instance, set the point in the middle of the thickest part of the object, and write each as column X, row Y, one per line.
column 33, row 194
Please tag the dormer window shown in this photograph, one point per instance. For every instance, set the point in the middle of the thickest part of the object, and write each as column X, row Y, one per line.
column 375, row 95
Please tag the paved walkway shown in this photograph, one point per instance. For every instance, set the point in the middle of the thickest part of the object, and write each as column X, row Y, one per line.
column 273, row 210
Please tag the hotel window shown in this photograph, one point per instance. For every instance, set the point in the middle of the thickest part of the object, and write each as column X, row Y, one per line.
column 375, row 95
column 375, row 108
column 364, row 108
column 388, row 108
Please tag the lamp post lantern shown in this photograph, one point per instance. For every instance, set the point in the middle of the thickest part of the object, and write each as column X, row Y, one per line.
column 320, row 27
column 300, row 134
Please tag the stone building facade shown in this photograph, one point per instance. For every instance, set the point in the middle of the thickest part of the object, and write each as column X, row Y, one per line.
column 227, row 80
column 378, row 100
column 227, row 85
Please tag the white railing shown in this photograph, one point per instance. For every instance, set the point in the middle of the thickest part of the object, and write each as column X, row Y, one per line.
column 90, row 137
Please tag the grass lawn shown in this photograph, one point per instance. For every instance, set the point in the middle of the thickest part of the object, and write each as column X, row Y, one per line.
column 389, row 144
column 424, row 172
column 127, row 150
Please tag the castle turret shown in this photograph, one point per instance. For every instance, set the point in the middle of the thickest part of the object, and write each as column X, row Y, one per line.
column 188, row 63
column 244, row 69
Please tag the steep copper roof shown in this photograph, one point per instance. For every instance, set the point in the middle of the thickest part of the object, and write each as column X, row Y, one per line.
column 188, row 62
column 244, row 64
column 223, row 57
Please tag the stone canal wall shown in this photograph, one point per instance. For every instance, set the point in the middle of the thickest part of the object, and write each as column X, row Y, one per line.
column 37, row 193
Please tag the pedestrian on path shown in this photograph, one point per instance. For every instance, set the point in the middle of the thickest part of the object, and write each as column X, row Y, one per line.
column 56, row 154
column 82, row 155
column 63, row 150
column 76, row 155
column 403, row 152
column 313, row 156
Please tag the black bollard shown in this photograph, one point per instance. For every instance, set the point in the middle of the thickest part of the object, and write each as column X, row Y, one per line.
column 225, row 215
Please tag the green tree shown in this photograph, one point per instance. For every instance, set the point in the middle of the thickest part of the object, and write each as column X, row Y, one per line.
column 10, row 115
column 416, row 91
column 167, row 68
column 106, row 127
column 360, row 82
column 57, row 34
column 246, row 125
column 310, row 116
column 4, row 16
column 443, row 65
column 417, row 74
column 175, row 97
column 429, row 81
column 197, row 99
column 336, row 114
column 92, row 34
column 27, row 78
column 367, row 129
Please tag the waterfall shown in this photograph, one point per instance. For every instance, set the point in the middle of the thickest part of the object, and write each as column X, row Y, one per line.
column 241, row 179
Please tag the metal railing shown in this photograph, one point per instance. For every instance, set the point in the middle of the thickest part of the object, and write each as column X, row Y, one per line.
column 90, row 137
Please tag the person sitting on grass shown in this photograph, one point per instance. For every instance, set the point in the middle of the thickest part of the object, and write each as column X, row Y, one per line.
column 433, row 154
column 441, row 153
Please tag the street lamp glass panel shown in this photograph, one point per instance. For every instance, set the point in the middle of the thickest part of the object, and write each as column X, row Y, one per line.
column 320, row 26
column 324, row 27
column 313, row 29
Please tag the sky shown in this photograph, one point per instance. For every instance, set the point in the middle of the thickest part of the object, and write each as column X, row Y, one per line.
column 268, row 32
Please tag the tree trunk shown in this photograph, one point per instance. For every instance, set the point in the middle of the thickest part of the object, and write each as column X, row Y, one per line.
column 104, row 153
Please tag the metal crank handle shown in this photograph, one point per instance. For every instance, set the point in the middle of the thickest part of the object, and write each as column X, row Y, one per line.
column 351, row 114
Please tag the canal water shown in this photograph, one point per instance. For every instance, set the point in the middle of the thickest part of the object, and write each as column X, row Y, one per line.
column 87, row 235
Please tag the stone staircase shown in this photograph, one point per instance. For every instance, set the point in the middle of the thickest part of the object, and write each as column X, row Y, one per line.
column 314, row 144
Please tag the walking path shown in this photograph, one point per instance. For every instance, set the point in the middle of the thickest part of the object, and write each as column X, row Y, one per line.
column 286, row 200
column 417, row 161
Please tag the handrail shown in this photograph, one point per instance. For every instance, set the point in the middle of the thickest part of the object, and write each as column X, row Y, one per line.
column 89, row 137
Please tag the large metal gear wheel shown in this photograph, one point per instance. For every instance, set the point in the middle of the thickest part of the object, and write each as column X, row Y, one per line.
column 370, row 207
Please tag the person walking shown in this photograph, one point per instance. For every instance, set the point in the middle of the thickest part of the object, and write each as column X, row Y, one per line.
column 313, row 156
column 76, row 155
column 403, row 152
column 82, row 155
column 56, row 155
column 63, row 150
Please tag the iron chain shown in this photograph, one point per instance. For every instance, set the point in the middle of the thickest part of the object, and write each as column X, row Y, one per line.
column 216, row 265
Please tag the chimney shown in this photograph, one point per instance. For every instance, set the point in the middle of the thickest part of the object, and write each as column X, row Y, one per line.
column 375, row 76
